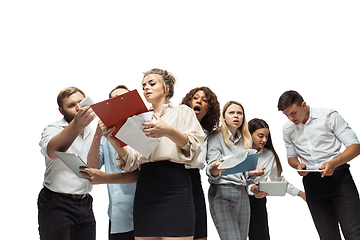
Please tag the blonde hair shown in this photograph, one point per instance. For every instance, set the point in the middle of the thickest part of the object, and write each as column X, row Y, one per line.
column 168, row 80
column 244, row 130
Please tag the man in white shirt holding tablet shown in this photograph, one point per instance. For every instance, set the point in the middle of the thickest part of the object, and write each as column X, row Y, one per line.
column 313, row 139
column 64, row 203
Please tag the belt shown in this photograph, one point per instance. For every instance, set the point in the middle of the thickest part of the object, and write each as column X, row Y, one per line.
column 75, row 196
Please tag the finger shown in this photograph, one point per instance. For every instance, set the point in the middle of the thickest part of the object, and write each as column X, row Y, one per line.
column 146, row 130
column 85, row 174
column 145, row 124
column 324, row 173
column 89, row 114
column 86, row 108
column 109, row 131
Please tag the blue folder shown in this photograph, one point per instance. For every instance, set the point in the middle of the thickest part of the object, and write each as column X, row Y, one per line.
column 248, row 164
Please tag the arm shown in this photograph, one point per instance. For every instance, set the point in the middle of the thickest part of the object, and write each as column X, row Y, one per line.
column 160, row 129
column 294, row 163
column 213, row 157
column 347, row 136
column 93, row 159
column 292, row 155
column 302, row 195
column 63, row 140
column 347, row 155
column 95, row 176
column 107, row 132
column 214, row 169
column 291, row 189
column 257, row 193
column 257, row 172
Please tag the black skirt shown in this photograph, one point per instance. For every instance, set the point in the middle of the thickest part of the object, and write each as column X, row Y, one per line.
column 199, row 202
column 163, row 204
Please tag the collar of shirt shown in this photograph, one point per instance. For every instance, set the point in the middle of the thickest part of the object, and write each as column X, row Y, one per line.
column 63, row 123
column 238, row 134
column 312, row 116
column 164, row 108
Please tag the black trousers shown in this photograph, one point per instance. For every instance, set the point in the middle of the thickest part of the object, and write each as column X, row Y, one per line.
column 64, row 218
column 259, row 229
column 332, row 201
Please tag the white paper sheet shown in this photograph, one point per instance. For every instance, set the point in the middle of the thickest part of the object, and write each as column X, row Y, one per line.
column 132, row 134
column 235, row 159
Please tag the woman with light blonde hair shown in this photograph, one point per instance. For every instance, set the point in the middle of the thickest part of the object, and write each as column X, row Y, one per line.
column 244, row 130
column 228, row 199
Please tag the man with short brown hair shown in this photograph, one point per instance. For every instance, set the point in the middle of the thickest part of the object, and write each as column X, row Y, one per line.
column 64, row 203
column 313, row 138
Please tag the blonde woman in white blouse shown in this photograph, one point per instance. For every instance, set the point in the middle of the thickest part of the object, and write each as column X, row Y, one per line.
column 163, row 205
column 268, row 158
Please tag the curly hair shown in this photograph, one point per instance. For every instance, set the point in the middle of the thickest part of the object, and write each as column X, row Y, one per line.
column 210, row 121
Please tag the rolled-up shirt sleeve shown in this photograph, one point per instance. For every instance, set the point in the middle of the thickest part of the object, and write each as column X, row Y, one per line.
column 131, row 161
column 341, row 129
column 291, row 189
column 289, row 145
column 49, row 132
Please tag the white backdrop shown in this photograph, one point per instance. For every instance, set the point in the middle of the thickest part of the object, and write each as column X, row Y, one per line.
column 249, row 51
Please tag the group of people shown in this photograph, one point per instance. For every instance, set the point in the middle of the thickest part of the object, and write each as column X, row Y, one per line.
column 161, row 197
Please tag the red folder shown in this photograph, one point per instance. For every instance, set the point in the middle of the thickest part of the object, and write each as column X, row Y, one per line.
column 115, row 111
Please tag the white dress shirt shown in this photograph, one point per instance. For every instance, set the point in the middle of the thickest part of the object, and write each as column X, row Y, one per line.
column 267, row 159
column 58, row 177
column 319, row 139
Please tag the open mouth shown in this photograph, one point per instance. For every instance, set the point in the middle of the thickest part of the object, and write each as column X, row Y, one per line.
column 197, row 109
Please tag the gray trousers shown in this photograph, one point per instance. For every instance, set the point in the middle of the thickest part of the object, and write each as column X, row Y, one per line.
column 230, row 210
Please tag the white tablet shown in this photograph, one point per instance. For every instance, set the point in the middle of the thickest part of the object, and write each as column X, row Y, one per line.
column 273, row 188
column 86, row 102
column 73, row 162
column 311, row 170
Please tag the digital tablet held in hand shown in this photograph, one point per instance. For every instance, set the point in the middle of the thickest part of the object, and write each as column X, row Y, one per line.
column 311, row 170
column 73, row 162
column 273, row 188
column 86, row 102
